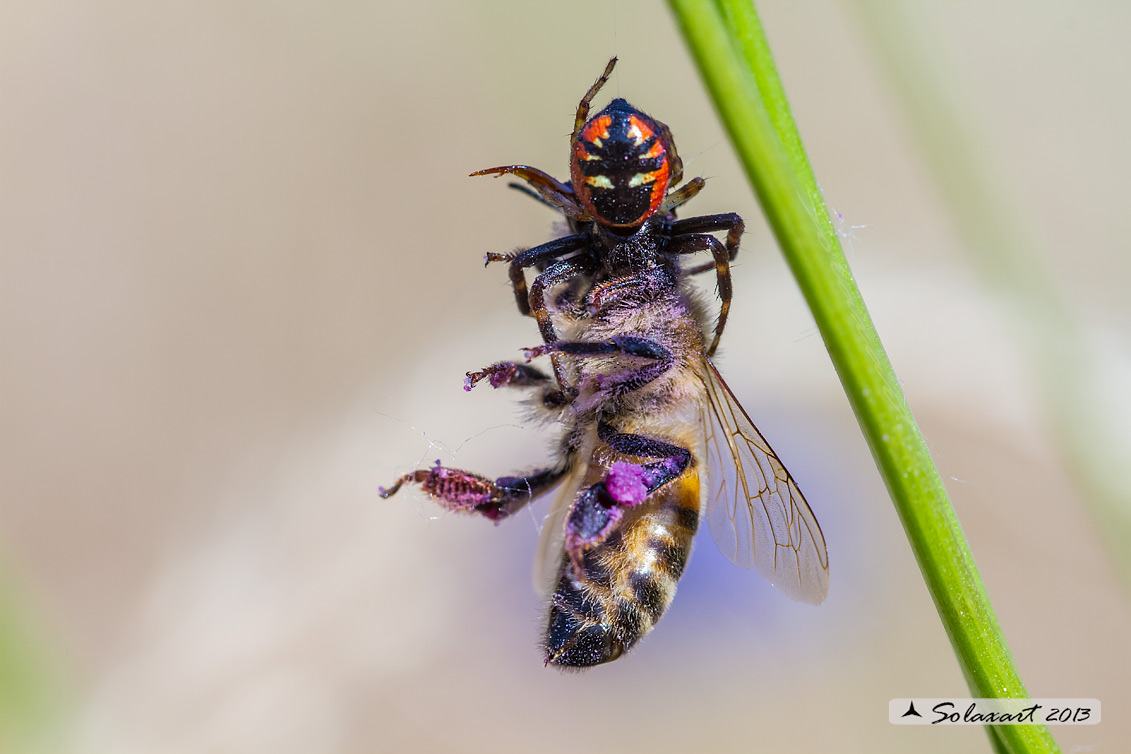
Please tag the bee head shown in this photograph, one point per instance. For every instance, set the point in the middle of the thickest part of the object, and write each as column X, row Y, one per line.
column 621, row 164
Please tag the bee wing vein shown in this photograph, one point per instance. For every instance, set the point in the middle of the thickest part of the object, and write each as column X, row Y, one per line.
column 754, row 508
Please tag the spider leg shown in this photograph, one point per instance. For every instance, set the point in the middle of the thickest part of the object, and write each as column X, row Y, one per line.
column 681, row 195
column 583, row 106
column 693, row 244
column 728, row 221
column 690, row 236
column 558, row 272
column 556, row 193
column 532, row 302
column 698, row 269
column 538, row 255
column 531, row 193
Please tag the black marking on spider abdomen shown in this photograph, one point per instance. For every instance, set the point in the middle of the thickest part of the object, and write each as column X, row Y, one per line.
column 621, row 165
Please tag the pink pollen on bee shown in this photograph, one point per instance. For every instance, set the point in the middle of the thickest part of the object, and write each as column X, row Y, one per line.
column 502, row 377
column 625, row 483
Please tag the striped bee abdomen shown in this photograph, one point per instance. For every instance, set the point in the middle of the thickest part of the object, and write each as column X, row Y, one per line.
column 627, row 581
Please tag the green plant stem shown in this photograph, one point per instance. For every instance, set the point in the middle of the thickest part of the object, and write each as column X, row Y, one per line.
column 1090, row 438
column 750, row 100
column 31, row 694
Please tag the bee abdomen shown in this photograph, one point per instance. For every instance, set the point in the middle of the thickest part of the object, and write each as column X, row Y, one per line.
column 626, row 584
column 581, row 633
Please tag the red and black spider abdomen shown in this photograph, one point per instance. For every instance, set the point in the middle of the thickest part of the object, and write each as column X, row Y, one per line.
column 621, row 165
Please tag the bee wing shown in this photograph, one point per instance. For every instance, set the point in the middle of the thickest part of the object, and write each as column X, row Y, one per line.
column 551, row 543
column 756, row 513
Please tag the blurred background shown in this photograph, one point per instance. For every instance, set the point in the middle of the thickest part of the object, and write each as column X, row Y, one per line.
column 241, row 279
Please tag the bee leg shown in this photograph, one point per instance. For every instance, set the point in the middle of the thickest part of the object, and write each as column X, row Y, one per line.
column 673, row 460
column 593, row 516
column 600, row 507
column 639, row 284
column 506, row 374
column 661, row 358
column 468, row 492
column 600, row 294
column 509, row 374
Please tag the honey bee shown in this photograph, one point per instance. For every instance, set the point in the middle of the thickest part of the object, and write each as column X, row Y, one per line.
column 652, row 438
